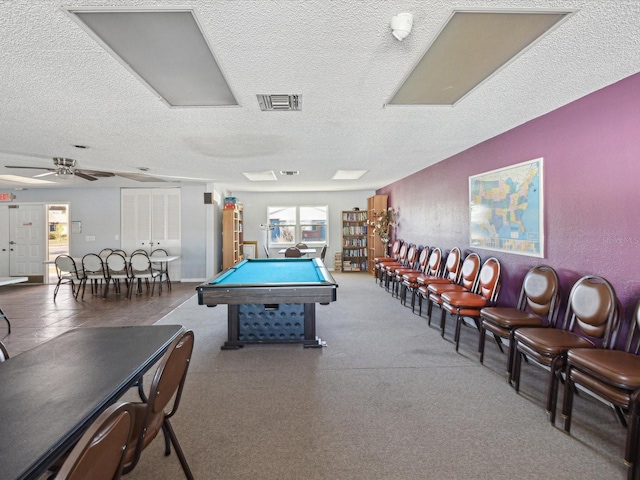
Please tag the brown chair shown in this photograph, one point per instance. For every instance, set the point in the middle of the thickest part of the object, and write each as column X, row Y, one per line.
column 394, row 275
column 387, row 267
column 99, row 454
column 380, row 261
column 429, row 263
column 591, row 318
column 292, row 252
column 612, row 376
column 537, row 307
column 467, row 282
column 450, row 274
column 150, row 416
column 469, row 304
column 301, row 246
column 4, row 354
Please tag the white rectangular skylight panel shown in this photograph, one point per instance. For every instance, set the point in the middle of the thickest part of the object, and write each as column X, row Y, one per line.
column 165, row 49
column 265, row 176
column 348, row 174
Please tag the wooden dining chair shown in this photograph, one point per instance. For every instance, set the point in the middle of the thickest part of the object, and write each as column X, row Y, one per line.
column 591, row 318
column 99, row 454
column 151, row 415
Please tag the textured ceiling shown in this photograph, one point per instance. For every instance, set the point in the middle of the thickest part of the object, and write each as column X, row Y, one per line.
column 59, row 88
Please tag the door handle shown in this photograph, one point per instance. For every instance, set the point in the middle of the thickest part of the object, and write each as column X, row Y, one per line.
column 12, row 242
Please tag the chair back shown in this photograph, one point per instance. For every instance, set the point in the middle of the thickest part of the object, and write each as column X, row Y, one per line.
column 301, row 245
column 489, row 280
column 92, row 264
column 4, row 354
column 99, row 454
column 167, row 384
column 633, row 338
column 140, row 262
column 65, row 264
column 395, row 248
column 121, row 252
column 540, row 293
column 140, row 250
column 469, row 272
column 292, row 252
column 413, row 254
column 423, row 258
column 323, row 253
column 105, row 252
column 593, row 309
column 435, row 263
column 452, row 267
column 159, row 252
column 116, row 263
column 402, row 254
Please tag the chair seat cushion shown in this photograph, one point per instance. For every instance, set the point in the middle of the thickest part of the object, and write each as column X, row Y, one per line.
column 508, row 317
column 550, row 341
column 464, row 299
column 622, row 368
column 440, row 288
column 429, row 279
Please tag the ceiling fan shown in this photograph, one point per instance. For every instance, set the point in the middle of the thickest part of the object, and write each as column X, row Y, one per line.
column 65, row 169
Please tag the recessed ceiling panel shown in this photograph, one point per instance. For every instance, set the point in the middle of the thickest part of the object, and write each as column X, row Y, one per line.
column 470, row 48
column 166, row 50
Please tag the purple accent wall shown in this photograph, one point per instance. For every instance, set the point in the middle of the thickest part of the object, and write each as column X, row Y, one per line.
column 591, row 150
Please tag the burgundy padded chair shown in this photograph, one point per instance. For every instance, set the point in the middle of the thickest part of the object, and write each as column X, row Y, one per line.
column 449, row 275
column 469, row 304
column 394, row 275
column 591, row 319
column 537, row 307
column 400, row 261
column 613, row 376
column 380, row 261
column 467, row 282
column 431, row 264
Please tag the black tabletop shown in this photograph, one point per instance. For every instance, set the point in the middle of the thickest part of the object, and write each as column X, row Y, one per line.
column 49, row 395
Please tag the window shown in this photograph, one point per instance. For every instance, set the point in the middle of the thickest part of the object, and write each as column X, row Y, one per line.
column 291, row 225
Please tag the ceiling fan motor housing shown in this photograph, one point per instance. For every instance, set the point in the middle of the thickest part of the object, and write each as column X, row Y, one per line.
column 64, row 162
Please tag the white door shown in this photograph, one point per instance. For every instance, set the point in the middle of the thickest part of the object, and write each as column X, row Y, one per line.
column 4, row 240
column 27, row 241
column 150, row 219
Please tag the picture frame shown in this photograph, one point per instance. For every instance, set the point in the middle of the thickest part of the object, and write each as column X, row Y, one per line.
column 506, row 211
column 250, row 249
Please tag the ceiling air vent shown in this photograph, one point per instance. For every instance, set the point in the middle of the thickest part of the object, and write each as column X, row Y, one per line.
column 289, row 172
column 280, row 102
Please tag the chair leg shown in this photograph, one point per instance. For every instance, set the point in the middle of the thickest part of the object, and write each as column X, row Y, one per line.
column 178, row 449
column 481, row 342
column 567, row 404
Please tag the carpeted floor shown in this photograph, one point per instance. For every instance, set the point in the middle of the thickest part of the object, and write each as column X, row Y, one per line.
column 388, row 398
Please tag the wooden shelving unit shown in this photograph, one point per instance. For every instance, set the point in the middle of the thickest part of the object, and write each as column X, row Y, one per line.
column 354, row 241
column 375, row 248
column 231, row 236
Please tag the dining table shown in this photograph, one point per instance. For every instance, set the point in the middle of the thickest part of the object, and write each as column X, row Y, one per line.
column 10, row 281
column 52, row 393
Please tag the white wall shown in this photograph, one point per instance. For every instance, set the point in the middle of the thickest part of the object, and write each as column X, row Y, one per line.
column 99, row 211
column 255, row 212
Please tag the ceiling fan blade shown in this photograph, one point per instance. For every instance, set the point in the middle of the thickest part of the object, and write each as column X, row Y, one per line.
column 44, row 174
column 84, row 175
column 32, row 168
column 94, row 173
column 139, row 177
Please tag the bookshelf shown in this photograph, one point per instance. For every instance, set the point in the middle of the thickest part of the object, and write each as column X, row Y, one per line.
column 354, row 241
column 231, row 236
column 375, row 248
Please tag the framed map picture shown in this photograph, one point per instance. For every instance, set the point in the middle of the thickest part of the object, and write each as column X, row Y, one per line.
column 505, row 209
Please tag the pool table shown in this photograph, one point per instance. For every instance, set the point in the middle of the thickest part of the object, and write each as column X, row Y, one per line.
column 271, row 300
